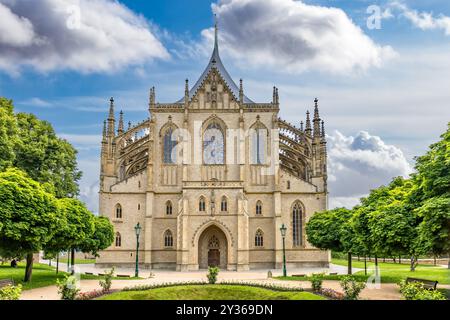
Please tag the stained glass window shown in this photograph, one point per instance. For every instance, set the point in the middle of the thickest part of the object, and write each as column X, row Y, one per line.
column 213, row 145
column 259, row 137
column 297, row 225
column 168, row 239
column 170, row 144
column 259, row 239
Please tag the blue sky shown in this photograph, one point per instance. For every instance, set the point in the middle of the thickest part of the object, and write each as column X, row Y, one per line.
column 384, row 93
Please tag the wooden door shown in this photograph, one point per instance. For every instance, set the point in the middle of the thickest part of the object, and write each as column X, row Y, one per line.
column 213, row 258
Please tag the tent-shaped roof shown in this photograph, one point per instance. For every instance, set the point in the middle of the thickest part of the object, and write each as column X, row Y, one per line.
column 216, row 62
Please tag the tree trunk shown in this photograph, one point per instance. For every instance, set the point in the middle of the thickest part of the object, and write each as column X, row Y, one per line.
column 349, row 269
column 365, row 265
column 376, row 266
column 68, row 261
column 29, row 267
column 448, row 265
column 400, row 259
column 49, row 262
column 393, row 259
column 384, row 259
column 72, row 269
column 358, row 257
column 434, row 260
column 413, row 263
column 57, row 263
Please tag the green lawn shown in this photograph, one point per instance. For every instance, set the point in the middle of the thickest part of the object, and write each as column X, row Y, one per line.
column 394, row 272
column 211, row 292
column 78, row 261
column 43, row 275
column 389, row 272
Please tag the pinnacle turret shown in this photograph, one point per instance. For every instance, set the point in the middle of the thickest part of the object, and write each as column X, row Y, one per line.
column 120, row 128
column 308, row 124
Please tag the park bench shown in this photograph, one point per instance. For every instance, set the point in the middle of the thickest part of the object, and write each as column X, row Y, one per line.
column 299, row 275
column 333, row 273
column 123, row 276
column 6, row 282
column 427, row 284
column 89, row 273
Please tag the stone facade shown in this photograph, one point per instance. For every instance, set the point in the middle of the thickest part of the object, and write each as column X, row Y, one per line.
column 211, row 179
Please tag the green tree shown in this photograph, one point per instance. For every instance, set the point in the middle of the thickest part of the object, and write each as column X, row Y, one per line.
column 8, row 133
column 329, row 230
column 28, row 214
column 45, row 157
column 80, row 225
column 102, row 238
column 433, row 190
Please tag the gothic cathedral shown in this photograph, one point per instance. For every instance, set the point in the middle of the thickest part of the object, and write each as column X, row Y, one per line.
column 211, row 179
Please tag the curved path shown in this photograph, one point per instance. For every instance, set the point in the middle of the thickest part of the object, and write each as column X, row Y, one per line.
column 385, row 291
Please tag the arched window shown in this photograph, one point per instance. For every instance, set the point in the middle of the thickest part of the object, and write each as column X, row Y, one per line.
column 170, row 144
column 224, row 204
column 288, row 185
column 118, row 240
column 168, row 239
column 258, row 207
column 259, row 144
column 201, row 204
column 213, row 145
column 168, row 208
column 139, row 206
column 118, row 211
column 297, row 225
column 259, row 238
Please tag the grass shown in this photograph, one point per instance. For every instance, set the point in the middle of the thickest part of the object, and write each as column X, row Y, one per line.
column 43, row 275
column 78, row 261
column 395, row 272
column 211, row 292
column 389, row 272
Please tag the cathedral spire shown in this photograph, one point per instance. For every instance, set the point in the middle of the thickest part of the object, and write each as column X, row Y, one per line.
column 216, row 35
column 186, row 93
column 316, row 120
column 120, row 128
column 308, row 124
column 241, row 91
column 111, row 119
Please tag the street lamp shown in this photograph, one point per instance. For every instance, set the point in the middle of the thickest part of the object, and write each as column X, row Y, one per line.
column 137, row 229
column 283, row 235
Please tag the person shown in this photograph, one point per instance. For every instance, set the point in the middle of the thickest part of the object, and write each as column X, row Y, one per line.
column 14, row 263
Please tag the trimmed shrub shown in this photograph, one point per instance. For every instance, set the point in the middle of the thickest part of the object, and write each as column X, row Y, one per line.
column 316, row 281
column 351, row 287
column 68, row 288
column 107, row 282
column 212, row 274
column 416, row 291
column 11, row 292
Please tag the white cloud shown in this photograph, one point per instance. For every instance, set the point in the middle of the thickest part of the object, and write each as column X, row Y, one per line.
column 295, row 37
column 423, row 20
column 360, row 163
column 81, row 35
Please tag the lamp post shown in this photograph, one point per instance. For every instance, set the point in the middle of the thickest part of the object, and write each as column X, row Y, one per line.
column 137, row 229
column 283, row 235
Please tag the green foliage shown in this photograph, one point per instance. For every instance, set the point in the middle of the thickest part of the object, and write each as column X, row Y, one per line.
column 102, row 238
column 68, row 287
column 212, row 274
column 28, row 214
column 45, row 157
column 328, row 230
column 316, row 281
column 8, row 133
column 107, row 282
column 11, row 292
column 433, row 191
column 416, row 291
column 351, row 287
column 80, row 223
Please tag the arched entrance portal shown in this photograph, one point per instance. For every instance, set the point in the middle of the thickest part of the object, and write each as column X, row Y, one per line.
column 212, row 248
